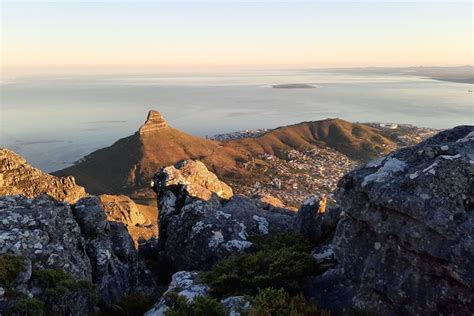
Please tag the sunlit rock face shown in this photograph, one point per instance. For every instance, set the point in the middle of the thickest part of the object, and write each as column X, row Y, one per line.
column 201, row 221
column 197, row 181
column 405, row 240
column 154, row 122
column 17, row 176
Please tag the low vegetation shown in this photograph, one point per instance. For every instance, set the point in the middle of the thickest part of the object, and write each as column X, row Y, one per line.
column 59, row 286
column 130, row 305
column 200, row 306
column 283, row 261
column 29, row 306
column 271, row 301
column 10, row 268
column 58, row 280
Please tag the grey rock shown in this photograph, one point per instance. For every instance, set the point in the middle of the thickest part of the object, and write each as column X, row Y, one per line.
column 314, row 221
column 78, row 240
column 406, row 239
column 186, row 284
column 197, row 230
column 116, row 268
column 44, row 231
column 236, row 305
column 183, row 283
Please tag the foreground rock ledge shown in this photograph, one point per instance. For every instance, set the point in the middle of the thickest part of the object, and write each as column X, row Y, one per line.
column 79, row 240
column 406, row 241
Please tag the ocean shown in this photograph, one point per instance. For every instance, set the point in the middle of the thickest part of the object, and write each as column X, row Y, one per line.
column 55, row 120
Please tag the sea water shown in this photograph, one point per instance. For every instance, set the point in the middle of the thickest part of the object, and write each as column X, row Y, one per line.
column 55, row 120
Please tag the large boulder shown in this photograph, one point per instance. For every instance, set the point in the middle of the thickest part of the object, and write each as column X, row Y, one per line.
column 199, row 225
column 194, row 177
column 17, row 176
column 405, row 240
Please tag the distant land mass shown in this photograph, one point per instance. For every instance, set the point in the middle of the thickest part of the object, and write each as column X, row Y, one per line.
column 293, row 86
column 267, row 163
column 458, row 80
column 459, row 74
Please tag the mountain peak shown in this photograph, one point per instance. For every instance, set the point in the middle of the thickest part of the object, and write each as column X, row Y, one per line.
column 154, row 121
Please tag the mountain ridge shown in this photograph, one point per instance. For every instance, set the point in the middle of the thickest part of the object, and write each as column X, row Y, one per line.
column 128, row 164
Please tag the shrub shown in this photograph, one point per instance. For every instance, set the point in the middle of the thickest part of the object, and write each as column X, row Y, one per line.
column 200, row 306
column 10, row 267
column 130, row 305
column 29, row 306
column 282, row 261
column 58, row 278
column 57, row 283
column 276, row 302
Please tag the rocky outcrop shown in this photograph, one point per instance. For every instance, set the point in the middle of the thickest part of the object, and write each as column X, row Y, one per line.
column 183, row 283
column 19, row 177
column 198, row 226
column 153, row 122
column 405, row 240
column 314, row 222
column 196, row 180
column 78, row 240
column 116, row 268
column 186, row 284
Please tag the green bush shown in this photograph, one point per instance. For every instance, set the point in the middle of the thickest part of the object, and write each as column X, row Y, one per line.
column 130, row 305
column 276, row 302
column 29, row 306
column 282, row 261
column 57, row 283
column 58, row 278
column 200, row 306
column 10, row 267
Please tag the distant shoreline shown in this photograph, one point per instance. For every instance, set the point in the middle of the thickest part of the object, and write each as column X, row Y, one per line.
column 457, row 80
column 293, row 86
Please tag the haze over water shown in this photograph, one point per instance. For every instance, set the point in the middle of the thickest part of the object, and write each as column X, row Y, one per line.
column 54, row 121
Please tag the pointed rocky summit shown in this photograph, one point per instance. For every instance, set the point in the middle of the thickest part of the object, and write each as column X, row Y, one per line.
column 154, row 121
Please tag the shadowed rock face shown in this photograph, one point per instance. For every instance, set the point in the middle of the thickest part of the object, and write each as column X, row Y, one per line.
column 198, row 227
column 406, row 238
column 18, row 177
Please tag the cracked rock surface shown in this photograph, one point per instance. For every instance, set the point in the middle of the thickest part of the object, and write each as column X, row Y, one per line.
column 201, row 222
column 405, row 240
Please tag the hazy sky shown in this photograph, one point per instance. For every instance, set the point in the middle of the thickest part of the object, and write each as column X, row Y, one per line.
column 65, row 36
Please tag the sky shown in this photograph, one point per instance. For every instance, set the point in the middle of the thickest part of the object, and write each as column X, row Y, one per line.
column 148, row 36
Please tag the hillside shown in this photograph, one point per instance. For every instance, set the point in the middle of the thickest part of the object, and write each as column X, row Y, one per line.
column 128, row 165
column 357, row 141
